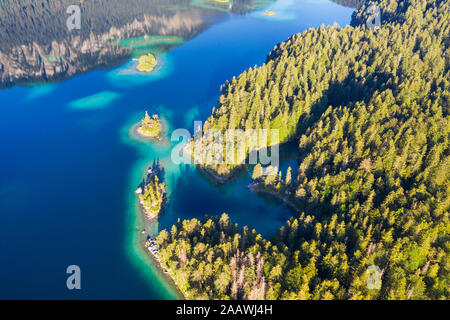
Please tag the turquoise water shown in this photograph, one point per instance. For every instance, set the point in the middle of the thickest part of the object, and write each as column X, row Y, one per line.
column 69, row 163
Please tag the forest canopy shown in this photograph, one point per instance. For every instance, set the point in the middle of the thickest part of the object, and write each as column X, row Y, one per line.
column 369, row 111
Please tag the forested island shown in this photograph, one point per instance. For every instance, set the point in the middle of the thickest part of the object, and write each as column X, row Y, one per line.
column 152, row 192
column 147, row 63
column 369, row 111
column 269, row 13
column 150, row 127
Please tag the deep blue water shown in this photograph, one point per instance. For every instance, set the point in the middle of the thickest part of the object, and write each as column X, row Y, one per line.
column 67, row 174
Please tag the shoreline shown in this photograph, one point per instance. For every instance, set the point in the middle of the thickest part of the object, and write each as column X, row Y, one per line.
column 256, row 188
column 150, row 218
column 208, row 172
column 143, row 237
column 153, row 254
column 214, row 176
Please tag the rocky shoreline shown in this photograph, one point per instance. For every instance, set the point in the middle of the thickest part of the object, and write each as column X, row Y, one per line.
column 146, row 211
column 151, row 247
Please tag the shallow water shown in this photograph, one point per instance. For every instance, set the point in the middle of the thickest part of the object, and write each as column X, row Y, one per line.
column 69, row 163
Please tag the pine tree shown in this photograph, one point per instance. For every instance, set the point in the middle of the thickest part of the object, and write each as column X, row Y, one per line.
column 257, row 171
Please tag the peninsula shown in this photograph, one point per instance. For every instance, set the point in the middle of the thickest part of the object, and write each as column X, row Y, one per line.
column 370, row 184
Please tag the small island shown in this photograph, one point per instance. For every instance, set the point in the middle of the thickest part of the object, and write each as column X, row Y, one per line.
column 150, row 127
column 147, row 63
column 152, row 193
column 269, row 13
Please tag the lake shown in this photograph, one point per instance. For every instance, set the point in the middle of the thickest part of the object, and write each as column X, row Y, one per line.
column 69, row 164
